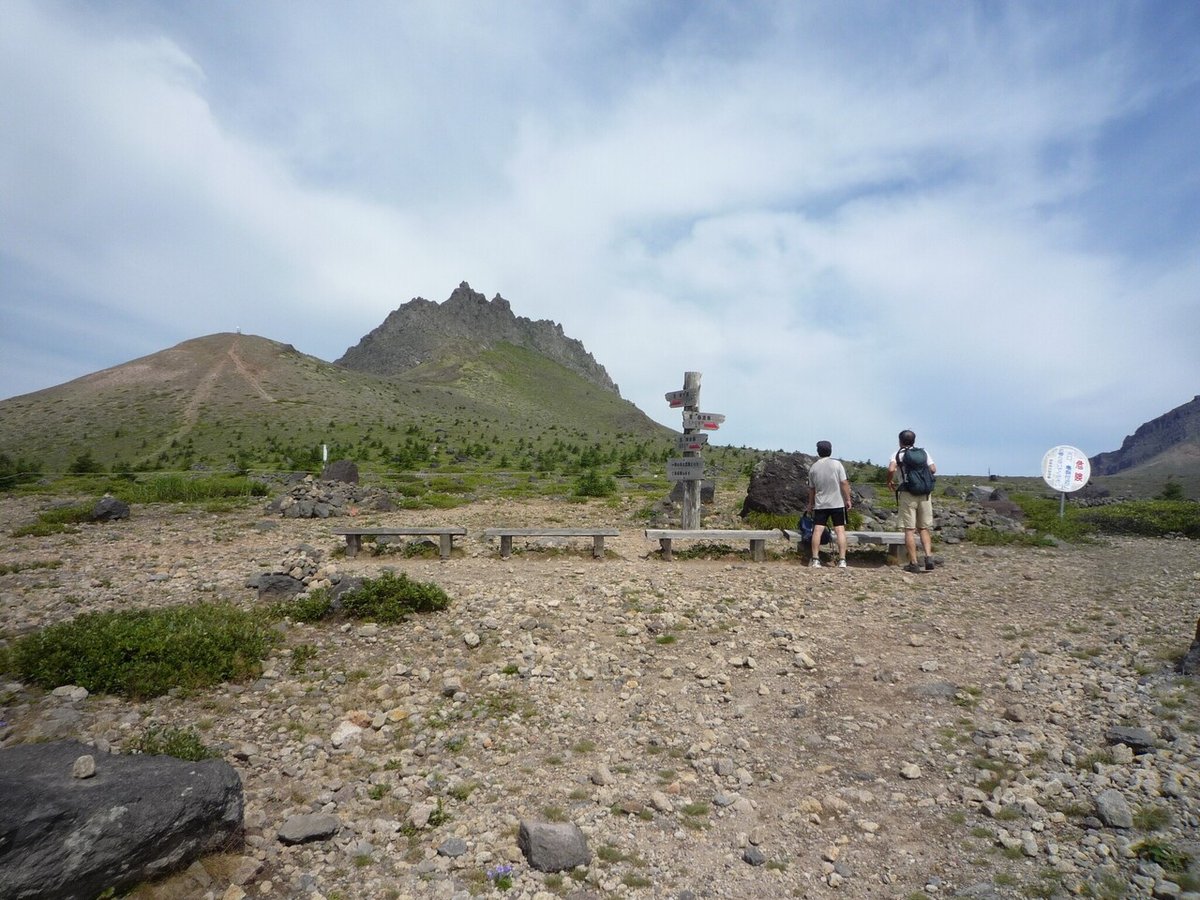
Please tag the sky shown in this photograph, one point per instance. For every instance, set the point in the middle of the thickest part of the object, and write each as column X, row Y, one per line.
column 978, row 220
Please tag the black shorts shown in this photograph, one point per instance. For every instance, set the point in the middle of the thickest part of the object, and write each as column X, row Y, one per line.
column 823, row 516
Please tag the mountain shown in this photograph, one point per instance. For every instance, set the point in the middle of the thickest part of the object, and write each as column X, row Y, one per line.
column 1168, row 444
column 436, row 395
column 421, row 331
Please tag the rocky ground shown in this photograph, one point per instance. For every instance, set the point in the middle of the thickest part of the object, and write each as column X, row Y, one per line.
column 1006, row 726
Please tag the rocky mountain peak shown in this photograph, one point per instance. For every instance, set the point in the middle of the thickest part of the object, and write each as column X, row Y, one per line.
column 1170, row 432
column 421, row 331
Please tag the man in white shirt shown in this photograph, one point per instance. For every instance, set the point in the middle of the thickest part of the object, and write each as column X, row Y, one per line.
column 828, row 500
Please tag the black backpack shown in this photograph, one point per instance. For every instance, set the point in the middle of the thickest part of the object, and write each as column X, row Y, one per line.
column 915, row 477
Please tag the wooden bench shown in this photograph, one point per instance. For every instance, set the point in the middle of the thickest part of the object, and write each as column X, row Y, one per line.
column 893, row 540
column 758, row 539
column 506, row 536
column 445, row 536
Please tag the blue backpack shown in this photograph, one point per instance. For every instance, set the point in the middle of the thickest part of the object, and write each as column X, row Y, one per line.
column 915, row 477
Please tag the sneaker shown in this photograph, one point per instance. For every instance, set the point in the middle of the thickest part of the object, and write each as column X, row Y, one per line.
column 841, row 564
column 912, row 567
column 814, row 564
column 928, row 564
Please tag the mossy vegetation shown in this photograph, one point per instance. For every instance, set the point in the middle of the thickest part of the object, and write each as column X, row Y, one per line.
column 145, row 653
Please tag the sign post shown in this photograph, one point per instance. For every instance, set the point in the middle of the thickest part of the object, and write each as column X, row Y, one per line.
column 1065, row 469
column 690, row 516
column 688, row 470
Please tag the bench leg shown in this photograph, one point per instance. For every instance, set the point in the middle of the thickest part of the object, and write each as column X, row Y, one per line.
column 353, row 544
column 505, row 546
column 758, row 550
column 445, row 545
column 597, row 546
column 665, row 545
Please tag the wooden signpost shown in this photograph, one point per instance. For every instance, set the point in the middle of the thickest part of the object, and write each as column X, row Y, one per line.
column 689, row 469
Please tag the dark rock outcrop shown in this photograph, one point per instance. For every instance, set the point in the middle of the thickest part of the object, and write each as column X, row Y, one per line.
column 778, row 484
column 1169, row 432
column 341, row 470
column 109, row 509
column 421, row 331
column 136, row 818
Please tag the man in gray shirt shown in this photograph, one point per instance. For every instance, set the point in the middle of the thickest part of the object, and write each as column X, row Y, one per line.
column 828, row 500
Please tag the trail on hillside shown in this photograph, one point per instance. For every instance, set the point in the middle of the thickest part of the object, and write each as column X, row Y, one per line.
column 204, row 389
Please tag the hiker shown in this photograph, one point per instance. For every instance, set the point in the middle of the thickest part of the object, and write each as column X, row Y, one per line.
column 828, row 500
column 914, row 489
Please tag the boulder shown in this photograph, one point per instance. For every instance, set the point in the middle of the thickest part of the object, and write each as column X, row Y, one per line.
column 276, row 587
column 553, row 846
column 109, row 509
column 341, row 470
column 134, row 819
column 778, row 484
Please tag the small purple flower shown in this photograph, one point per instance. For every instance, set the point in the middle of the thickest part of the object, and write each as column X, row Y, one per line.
column 501, row 876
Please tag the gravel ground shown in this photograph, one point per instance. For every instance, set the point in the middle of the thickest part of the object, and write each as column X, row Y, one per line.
column 1008, row 725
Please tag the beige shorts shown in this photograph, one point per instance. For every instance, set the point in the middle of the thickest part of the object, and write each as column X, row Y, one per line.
column 916, row 511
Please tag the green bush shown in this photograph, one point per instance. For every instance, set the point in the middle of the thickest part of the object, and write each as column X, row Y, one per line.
column 182, row 743
column 393, row 598
column 1041, row 514
column 17, row 471
column 1149, row 518
column 145, row 653
column 1172, row 490
column 592, row 484
column 84, row 464
column 311, row 607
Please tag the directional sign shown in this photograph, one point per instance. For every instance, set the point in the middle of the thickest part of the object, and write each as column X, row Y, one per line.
column 707, row 421
column 682, row 398
column 1065, row 468
column 689, row 468
column 690, row 442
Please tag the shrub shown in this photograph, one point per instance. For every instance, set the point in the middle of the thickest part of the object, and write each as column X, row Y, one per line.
column 393, row 598
column 17, row 471
column 311, row 607
column 182, row 743
column 1172, row 490
column 84, row 464
column 145, row 653
column 592, row 484
column 1149, row 518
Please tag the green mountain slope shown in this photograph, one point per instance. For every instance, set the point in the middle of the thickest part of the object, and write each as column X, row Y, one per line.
column 239, row 400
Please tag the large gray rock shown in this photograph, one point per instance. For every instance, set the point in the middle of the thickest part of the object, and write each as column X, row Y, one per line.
column 1113, row 810
column 309, row 827
column 341, row 470
column 553, row 846
column 109, row 509
column 275, row 587
column 137, row 818
column 778, row 484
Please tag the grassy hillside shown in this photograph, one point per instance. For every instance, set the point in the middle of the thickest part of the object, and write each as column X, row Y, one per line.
column 231, row 401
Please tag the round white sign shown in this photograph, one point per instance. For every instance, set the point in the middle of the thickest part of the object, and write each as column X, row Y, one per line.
column 1066, row 468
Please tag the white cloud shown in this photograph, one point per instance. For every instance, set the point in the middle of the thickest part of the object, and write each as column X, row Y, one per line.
column 908, row 201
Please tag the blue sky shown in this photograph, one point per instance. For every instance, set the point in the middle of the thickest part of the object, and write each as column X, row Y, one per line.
column 977, row 220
